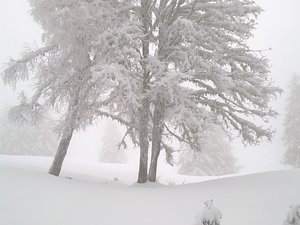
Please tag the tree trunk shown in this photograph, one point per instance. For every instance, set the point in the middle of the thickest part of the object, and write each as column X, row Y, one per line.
column 145, row 108
column 66, row 138
column 157, row 130
column 144, row 143
column 61, row 153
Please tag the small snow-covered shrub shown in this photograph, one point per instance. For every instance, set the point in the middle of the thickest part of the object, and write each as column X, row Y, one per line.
column 293, row 216
column 210, row 215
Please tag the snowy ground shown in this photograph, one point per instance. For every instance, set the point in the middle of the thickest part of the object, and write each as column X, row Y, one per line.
column 29, row 196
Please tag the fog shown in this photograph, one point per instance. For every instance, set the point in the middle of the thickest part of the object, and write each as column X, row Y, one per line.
column 278, row 29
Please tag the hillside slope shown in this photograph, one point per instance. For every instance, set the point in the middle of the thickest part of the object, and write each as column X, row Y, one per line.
column 32, row 197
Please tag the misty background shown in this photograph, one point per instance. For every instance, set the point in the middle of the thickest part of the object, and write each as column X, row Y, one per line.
column 277, row 28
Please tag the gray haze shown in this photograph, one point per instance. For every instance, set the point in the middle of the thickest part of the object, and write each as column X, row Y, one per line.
column 278, row 28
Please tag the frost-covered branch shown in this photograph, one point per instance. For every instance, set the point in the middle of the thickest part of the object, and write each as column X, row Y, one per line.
column 19, row 69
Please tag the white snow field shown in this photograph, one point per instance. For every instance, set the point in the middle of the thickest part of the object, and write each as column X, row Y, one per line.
column 29, row 196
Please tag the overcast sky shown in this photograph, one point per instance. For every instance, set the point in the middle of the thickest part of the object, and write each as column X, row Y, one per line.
column 278, row 28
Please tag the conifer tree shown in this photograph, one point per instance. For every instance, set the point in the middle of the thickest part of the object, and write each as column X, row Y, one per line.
column 199, row 71
column 26, row 138
column 203, row 72
column 214, row 159
column 292, row 125
column 111, row 149
column 62, row 69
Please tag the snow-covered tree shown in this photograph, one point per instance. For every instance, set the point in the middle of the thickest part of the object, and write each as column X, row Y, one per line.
column 189, row 64
column 111, row 149
column 62, row 69
column 25, row 138
column 202, row 71
column 214, row 159
column 293, row 216
column 292, row 125
column 210, row 215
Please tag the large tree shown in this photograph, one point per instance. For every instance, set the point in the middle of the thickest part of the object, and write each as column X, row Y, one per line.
column 292, row 125
column 190, row 65
column 202, row 71
column 62, row 69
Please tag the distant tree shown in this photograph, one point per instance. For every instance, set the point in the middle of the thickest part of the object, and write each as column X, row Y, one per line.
column 293, row 216
column 111, row 150
column 26, row 138
column 214, row 159
column 292, row 125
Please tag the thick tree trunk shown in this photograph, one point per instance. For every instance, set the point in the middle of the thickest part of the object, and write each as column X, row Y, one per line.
column 156, row 138
column 145, row 108
column 61, row 153
column 144, row 142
